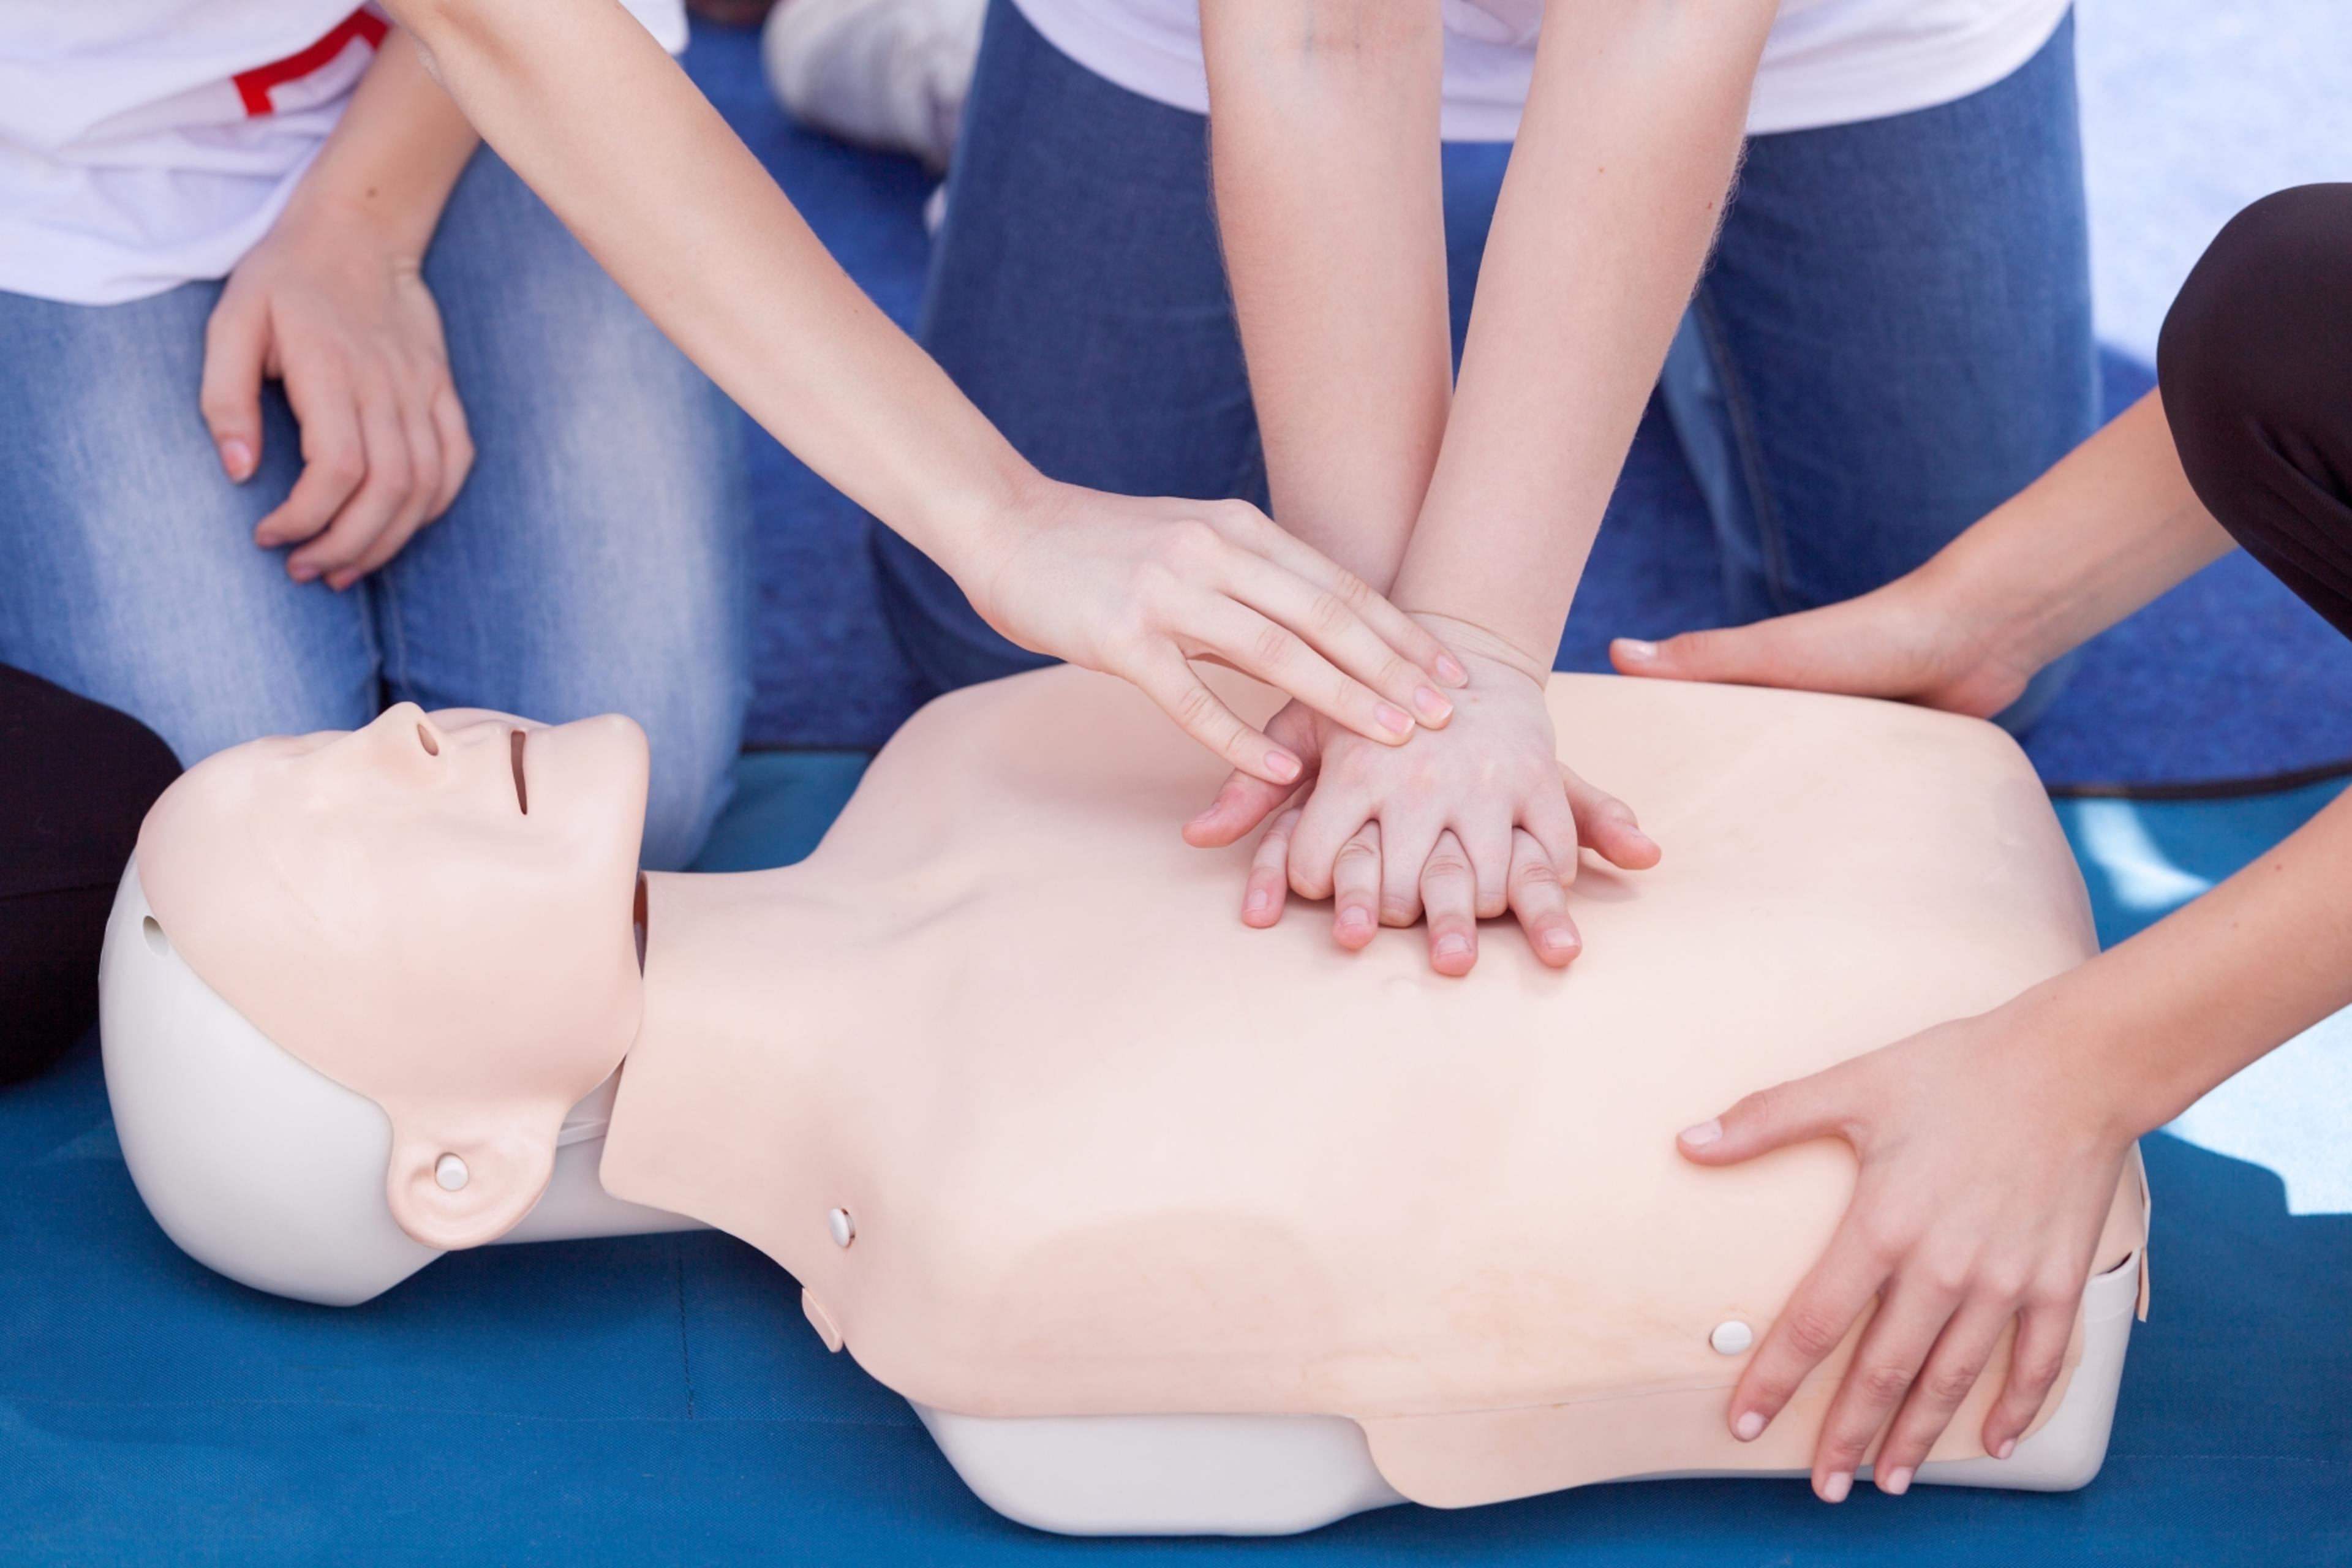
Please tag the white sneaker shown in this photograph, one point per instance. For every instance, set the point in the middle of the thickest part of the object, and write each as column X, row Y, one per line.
column 883, row 73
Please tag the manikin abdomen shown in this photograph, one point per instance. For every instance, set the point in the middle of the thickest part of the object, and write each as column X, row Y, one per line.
column 1099, row 1149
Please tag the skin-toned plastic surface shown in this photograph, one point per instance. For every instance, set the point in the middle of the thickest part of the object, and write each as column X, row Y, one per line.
column 1287, row 1180
column 467, row 960
column 1048, row 1133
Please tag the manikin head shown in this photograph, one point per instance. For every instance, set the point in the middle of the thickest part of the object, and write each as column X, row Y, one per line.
column 434, row 912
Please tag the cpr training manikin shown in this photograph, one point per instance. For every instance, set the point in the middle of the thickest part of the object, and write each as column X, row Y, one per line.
column 1164, row 1225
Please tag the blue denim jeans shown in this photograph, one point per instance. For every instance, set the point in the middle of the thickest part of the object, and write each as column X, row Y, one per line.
column 596, row 560
column 1893, row 336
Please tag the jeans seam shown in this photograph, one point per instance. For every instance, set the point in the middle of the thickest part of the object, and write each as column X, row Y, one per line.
column 385, row 642
column 1772, row 547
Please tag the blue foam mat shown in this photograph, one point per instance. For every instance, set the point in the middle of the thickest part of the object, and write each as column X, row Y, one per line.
column 2227, row 677
column 661, row 1399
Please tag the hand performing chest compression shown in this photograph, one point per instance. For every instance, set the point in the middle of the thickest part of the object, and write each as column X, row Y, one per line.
column 1459, row 824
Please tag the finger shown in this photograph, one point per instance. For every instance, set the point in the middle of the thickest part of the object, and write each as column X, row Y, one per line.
column 1269, row 874
column 1951, row 1370
column 1356, row 888
column 1247, row 526
column 1331, row 818
column 1406, row 844
column 1552, row 824
column 236, row 350
column 1742, row 655
column 334, row 458
column 1771, row 1118
column 1332, row 626
column 1813, row 1323
column 1608, row 825
column 1911, row 1317
column 1249, row 641
column 2035, row 1360
column 457, row 438
column 1449, row 893
column 1829, row 650
column 423, row 486
column 381, row 497
column 1541, row 902
column 1488, row 846
column 1244, row 801
column 1171, row 682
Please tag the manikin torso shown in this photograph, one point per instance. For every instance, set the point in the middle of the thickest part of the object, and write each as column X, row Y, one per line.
column 1098, row 1148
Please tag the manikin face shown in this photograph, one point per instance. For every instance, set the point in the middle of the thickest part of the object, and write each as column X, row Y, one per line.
column 435, row 911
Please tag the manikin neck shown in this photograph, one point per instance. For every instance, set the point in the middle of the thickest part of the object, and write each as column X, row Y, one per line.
column 733, row 945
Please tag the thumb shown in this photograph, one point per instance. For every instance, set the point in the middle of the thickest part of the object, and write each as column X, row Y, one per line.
column 1793, row 1112
column 236, row 344
column 1242, row 802
column 1735, row 655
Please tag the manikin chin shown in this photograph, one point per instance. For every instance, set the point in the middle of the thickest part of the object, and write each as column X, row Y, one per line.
column 1164, row 1225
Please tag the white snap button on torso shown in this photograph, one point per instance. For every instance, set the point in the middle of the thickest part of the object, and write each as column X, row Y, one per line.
column 844, row 1228
column 1731, row 1336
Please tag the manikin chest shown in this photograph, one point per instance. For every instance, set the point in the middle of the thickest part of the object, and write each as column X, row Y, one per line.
column 1101, row 1150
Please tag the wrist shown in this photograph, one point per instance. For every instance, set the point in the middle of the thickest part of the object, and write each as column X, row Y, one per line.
column 977, row 522
column 1482, row 646
column 2088, row 1056
column 334, row 222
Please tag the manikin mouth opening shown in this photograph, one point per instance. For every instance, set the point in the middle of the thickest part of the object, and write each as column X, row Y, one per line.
column 514, row 750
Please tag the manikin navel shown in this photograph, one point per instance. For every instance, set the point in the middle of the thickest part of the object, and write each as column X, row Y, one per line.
column 1050, row 1137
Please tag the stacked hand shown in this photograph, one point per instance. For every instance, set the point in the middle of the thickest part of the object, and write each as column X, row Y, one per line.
column 1460, row 826
column 348, row 324
column 1138, row 588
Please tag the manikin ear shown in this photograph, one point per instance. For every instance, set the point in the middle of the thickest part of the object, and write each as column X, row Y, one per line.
column 462, row 1187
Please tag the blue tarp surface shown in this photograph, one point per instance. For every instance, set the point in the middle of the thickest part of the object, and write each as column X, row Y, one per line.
column 661, row 1399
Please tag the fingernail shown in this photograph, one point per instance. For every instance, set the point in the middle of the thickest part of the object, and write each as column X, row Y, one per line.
column 1393, row 719
column 1897, row 1481
column 1750, row 1427
column 1258, row 901
column 1431, row 706
column 1634, row 648
column 342, row 580
column 1282, row 765
column 1450, row 670
column 1453, row 946
column 1355, row 919
column 1834, row 1488
column 236, row 458
column 268, row 540
column 1558, row 941
column 303, row 572
column 2008, row 1446
column 1699, row 1137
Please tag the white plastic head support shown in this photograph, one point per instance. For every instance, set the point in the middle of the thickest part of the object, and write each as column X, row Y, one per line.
column 259, row 1167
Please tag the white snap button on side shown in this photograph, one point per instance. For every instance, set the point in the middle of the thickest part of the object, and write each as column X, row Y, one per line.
column 1731, row 1336
column 450, row 1171
column 844, row 1228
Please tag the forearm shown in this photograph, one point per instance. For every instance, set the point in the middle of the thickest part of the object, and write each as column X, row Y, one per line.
column 580, row 101
column 1325, row 160
column 1616, row 187
column 393, row 158
column 2108, row 528
column 2151, row 1025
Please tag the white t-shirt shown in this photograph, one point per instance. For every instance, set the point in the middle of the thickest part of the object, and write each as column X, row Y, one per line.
column 1828, row 62
column 144, row 143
